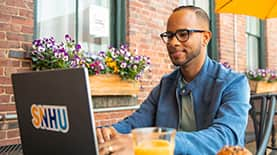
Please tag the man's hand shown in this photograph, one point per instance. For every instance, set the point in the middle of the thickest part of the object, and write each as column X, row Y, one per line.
column 112, row 142
column 105, row 134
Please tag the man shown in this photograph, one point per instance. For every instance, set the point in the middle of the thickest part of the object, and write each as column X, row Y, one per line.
column 204, row 101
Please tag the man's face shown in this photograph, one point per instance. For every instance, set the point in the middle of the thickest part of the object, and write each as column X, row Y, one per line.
column 183, row 53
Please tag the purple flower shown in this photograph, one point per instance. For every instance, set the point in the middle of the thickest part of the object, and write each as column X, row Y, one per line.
column 77, row 47
column 127, row 54
column 226, row 64
column 102, row 54
column 262, row 74
column 67, row 38
column 137, row 59
column 123, row 65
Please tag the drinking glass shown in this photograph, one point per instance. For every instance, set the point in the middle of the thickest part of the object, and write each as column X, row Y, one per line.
column 154, row 141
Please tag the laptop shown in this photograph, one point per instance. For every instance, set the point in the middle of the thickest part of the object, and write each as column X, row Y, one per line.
column 55, row 112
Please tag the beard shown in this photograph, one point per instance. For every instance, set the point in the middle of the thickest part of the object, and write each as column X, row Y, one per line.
column 189, row 58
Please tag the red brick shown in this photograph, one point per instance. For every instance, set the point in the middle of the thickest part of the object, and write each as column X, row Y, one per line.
column 101, row 116
column 3, row 134
column 10, row 70
column 22, row 20
column 14, row 36
column 5, row 18
column 16, row 28
column 26, row 64
column 16, row 3
column 26, row 13
column 27, row 46
column 2, row 35
column 1, row 71
column 5, row 26
column 5, row 80
column 8, row 90
column 9, row 44
column 6, row 10
column 24, row 70
column 26, row 29
column 97, row 123
column 7, row 107
column 2, row 90
column 4, row 98
column 29, row 4
column 13, row 133
column 9, row 63
column 10, row 141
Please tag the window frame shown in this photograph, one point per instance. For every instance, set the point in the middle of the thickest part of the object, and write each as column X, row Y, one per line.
column 212, row 46
column 118, row 7
column 261, row 44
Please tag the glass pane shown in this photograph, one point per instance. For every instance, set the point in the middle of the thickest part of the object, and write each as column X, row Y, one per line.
column 203, row 4
column 94, row 22
column 186, row 2
column 252, row 52
column 56, row 18
column 200, row 3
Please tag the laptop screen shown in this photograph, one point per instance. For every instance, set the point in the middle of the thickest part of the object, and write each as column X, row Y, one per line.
column 55, row 112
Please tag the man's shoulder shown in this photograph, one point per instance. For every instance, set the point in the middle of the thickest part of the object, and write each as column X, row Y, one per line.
column 222, row 73
column 173, row 75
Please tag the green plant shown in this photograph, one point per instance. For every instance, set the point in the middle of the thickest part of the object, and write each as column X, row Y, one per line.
column 123, row 62
column 48, row 54
column 262, row 75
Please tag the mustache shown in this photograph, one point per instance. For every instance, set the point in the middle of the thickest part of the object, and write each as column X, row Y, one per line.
column 174, row 50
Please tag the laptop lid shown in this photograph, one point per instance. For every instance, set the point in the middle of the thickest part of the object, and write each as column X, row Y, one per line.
column 55, row 112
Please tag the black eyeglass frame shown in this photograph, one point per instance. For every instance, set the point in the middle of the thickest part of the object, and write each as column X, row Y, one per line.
column 189, row 31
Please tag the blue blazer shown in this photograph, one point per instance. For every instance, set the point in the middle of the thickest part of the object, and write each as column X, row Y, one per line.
column 221, row 105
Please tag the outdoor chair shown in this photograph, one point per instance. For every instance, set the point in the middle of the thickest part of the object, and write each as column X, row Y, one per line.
column 262, row 114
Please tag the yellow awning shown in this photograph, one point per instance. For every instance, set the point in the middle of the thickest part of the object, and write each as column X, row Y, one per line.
column 262, row 9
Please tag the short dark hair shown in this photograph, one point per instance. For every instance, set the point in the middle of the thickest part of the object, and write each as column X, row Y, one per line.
column 200, row 13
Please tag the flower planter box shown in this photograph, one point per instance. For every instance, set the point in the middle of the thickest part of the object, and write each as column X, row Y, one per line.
column 262, row 86
column 110, row 85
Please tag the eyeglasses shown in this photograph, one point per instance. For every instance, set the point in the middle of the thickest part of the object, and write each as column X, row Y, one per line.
column 182, row 35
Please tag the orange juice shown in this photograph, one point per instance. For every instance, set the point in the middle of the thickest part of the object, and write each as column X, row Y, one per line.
column 154, row 147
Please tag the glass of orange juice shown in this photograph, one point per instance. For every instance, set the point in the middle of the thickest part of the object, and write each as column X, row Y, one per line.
column 154, row 141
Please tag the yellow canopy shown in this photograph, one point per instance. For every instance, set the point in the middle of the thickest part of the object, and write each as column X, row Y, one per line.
column 262, row 9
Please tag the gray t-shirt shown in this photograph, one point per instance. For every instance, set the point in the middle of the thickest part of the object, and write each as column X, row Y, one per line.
column 187, row 115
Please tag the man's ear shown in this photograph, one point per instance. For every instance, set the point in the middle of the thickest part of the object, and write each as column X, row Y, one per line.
column 207, row 35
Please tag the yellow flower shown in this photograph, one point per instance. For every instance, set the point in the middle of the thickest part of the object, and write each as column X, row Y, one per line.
column 116, row 70
column 108, row 60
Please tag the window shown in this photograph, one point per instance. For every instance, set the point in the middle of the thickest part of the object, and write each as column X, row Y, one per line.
column 90, row 22
column 55, row 18
column 253, row 48
column 93, row 24
column 200, row 3
column 208, row 6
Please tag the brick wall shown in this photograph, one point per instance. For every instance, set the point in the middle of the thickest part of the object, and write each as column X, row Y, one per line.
column 104, row 118
column 16, row 31
column 231, row 39
column 271, row 39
